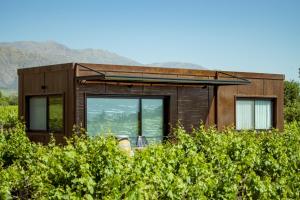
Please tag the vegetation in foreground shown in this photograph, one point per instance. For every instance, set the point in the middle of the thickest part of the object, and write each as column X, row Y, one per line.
column 8, row 117
column 8, row 99
column 204, row 165
column 291, row 101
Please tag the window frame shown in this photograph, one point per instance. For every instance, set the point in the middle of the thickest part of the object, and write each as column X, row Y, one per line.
column 165, row 114
column 273, row 99
column 27, row 111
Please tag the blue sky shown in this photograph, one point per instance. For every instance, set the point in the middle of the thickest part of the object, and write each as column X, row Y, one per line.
column 240, row 35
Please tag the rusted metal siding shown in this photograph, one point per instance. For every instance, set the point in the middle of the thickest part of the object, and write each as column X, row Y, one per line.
column 189, row 105
column 217, row 105
column 259, row 88
column 214, row 105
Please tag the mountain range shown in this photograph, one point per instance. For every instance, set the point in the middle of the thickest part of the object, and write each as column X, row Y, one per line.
column 14, row 55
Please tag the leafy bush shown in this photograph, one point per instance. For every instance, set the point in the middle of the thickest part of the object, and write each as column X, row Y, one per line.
column 291, row 101
column 205, row 164
column 8, row 116
column 6, row 100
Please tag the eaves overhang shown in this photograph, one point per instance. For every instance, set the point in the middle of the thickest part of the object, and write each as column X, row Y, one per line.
column 101, row 76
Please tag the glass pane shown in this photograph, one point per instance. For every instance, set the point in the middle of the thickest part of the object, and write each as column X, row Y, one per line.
column 112, row 115
column 263, row 114
column 37, row 113
column 152, row 119
column 244, row 114
column 55, row 113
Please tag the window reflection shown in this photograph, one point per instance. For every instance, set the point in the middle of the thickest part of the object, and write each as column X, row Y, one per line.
column 55, row 113
column 112, row 115
column 120, row 116
column 152, row 119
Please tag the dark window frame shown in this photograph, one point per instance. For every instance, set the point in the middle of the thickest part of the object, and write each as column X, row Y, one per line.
column 47, row 96
column 165, row 114
column 254, row 99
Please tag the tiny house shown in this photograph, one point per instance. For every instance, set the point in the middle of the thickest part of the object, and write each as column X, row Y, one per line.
column 144, row 101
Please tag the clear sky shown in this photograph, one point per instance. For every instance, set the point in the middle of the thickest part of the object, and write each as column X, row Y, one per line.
column 240, row 35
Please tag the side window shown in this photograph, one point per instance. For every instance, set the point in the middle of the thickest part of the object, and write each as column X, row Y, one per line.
column 254, row 113
column 56, row 113
column 38, row 113
column 45, row 113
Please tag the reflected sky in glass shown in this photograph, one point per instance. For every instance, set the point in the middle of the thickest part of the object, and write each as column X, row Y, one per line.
column 112, row 115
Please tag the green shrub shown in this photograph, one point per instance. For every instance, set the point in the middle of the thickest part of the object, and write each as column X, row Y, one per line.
column 291, row 101
column 205, row 164
column 8, row 116
column 6, row 100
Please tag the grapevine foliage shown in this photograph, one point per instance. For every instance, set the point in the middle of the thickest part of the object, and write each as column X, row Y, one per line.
column 204, row 164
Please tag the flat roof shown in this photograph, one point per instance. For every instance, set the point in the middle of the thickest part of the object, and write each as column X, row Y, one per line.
column 157, row 70
column 98, row 75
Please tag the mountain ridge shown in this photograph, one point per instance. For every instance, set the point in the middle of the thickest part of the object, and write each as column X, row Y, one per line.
column 21, row 54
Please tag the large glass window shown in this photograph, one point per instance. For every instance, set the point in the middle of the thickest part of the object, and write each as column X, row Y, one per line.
column 45, row 113
column 132, row 116
column 112, row 115
column 254, row 113
column 152, row 119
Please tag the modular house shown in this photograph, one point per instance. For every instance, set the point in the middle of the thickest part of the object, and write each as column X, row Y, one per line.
column 144, row 101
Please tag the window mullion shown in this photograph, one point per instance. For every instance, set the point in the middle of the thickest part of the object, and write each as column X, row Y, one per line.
column 140, row 118
column 254, row 114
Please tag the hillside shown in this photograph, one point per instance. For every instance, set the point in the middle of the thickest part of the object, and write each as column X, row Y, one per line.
column 21, row 54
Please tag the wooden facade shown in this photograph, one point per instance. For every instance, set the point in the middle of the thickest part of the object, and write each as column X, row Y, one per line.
column 214, row 104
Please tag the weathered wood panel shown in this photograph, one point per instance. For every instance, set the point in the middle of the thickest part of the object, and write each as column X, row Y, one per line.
column 192, row 106
column 255, row 88
column 225, row 106
column 189, row 104
column 57, row 79
column 276, row 88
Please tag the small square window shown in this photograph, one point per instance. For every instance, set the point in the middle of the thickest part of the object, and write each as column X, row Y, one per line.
column 45, row 113
column 254, row 113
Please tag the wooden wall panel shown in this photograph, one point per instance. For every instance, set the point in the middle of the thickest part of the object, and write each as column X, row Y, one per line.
column 33, row 82
column 255, row 88
column 192, row 106
column 57, row 79
column 225, row 106
column 276, row 88
column 210, row 121
column 123, row 89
